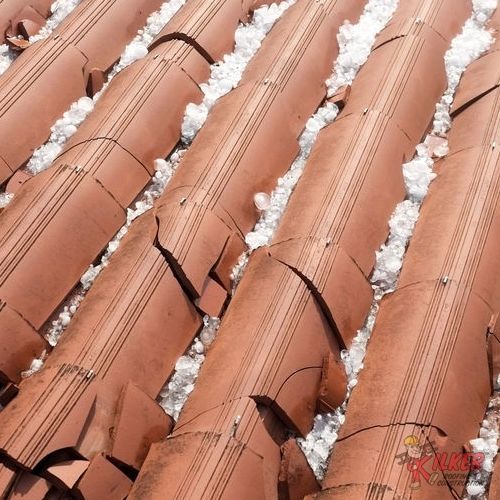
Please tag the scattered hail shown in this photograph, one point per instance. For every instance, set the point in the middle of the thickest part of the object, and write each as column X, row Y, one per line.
column 466, row 47
column 224, row 76
column 60, row 9
column 355, row 43
column 486, row 443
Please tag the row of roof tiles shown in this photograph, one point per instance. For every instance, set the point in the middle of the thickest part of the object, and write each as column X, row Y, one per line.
column 317, row 267
column 433, row 357
column 82, row 199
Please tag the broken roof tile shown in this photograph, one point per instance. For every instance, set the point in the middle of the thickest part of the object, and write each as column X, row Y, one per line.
column 358, row 155
column 65, row 474
column 102, row 480
column 430, row 332
column 296, row 479
column 133, row 329
column 244, row 129
column 139, row 423
column 63, row 62
column 19, row 344
column 15, row 12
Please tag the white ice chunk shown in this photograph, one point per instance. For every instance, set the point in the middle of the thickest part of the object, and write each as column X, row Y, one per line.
column 176, row 391
column 262, row 201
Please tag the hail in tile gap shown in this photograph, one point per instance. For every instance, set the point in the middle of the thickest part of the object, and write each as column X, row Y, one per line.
column 5, row 199
column 176, row 391
column 36, row 365
column 487, row 443
column 466, row 47
column 355, row 43
column 68, row 124
column 224, row 76
column 60, row 9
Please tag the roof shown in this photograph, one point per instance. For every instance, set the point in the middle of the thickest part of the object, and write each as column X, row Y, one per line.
column 20, row 17
column 91, row 422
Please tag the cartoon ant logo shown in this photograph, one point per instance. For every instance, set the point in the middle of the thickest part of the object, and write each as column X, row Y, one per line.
column 453, row 466
column 419, row 455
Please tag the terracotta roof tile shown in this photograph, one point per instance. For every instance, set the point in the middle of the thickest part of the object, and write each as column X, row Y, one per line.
column 432, row 330
column 19, row 344
column 63, row 61
column 139, row 423
column 102, row 480
column 29, row 487
column 7, row 477
column 296, row 479
column 117, row 336
column 66, row 474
